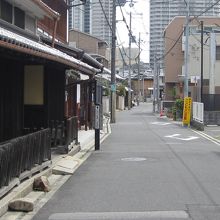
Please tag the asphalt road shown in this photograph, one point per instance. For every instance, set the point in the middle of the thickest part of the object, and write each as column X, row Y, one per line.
column 148, row 168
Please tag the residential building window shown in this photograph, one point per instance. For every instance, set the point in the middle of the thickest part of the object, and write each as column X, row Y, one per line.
column 6, row 11
column 19, row 17
column 217, row 52
column 12, row 15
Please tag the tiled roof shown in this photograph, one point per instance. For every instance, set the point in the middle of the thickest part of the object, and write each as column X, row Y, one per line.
column 17, row 42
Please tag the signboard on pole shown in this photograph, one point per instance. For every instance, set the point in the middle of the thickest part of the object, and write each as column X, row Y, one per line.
column 113, row 87
column 97, row 117
column 187, row 110
column 194, row 79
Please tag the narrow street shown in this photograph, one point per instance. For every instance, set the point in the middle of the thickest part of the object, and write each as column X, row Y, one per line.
column 148, row 168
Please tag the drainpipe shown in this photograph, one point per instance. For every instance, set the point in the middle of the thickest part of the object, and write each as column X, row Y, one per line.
column 54, row 31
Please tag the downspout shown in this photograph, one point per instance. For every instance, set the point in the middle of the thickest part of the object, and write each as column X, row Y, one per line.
column 54, row 31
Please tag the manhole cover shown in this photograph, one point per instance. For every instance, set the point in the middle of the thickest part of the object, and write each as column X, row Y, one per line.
column 134, row 159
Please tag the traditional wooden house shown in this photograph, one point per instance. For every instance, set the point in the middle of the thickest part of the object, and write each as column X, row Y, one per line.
column 37, row 85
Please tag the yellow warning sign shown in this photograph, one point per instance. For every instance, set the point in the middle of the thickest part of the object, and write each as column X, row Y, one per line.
column 187, row 110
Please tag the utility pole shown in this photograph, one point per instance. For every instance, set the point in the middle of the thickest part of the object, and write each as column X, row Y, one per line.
column 113, row 84
column 201, row 77
column 129, row 73
column 158, row 86
column 212, row 63
column 154, row 83
column 139, row 52
column 143, row 87
column 186, row 86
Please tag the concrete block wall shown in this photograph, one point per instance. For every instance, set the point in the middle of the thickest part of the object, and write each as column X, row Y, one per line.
column 121, row 102
column 212, row 117
column 106, row 105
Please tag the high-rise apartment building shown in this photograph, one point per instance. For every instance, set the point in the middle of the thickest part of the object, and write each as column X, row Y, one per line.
column 101, row 19
column 80, row 16
column 162, row 12
column 92, row 18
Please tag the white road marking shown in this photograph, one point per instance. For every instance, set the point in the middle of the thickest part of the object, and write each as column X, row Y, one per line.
column 133, row 159
column 208, row 137
column 121, row 215
column 176, row 136
column 160, row 123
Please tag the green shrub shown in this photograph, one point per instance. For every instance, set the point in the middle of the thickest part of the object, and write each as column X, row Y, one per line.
column 174, row 110
column 179, row 105
column 106, row 91
column 121, row 90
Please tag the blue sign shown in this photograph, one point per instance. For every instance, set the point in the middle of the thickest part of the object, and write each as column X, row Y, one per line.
column 113, row 88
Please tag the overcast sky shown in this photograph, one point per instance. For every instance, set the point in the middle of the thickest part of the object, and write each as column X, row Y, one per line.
column 140, row 23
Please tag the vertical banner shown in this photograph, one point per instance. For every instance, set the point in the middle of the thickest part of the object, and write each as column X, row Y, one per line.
column 187, row 110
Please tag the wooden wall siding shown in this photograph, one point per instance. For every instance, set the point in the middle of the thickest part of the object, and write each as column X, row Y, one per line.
column 86, row 104
column 11, row 99
column 34, row 117
column 55, row 92
column 71, row 101
column 48, row 25
column 40, row 116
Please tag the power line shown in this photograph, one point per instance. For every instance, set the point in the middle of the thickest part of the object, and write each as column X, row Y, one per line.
column 210, row 7
column 195, row 17
column 122, row 45
column 180, row 42
column 106, row 18
column 126, row 24
column 176, row 42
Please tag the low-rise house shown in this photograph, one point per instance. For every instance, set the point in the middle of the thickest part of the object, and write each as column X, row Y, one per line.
column 174, row 58
column 94, row 46
column 209, row 92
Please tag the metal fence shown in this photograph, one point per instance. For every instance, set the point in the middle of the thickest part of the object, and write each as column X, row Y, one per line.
column 22, row 154
column 198, row 112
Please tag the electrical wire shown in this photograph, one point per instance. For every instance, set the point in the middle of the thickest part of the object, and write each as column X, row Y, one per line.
column 200, row 42
column 190, row 20
column 180, row 42
column 126, row 24
column 122, row 45
column 106, row 18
